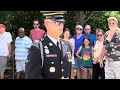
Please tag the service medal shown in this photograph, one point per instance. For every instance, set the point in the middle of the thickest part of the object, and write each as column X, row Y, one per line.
column 47, row 51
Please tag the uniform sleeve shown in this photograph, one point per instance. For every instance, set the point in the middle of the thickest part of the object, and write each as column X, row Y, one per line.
column 9, row 38
column 33, row 66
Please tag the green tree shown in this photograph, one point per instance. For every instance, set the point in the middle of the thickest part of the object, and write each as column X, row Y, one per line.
column 97, row 19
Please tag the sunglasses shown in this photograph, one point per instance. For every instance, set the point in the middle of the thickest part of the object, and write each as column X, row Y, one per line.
column 57, row 23
column 99, row 35
column 79, row 29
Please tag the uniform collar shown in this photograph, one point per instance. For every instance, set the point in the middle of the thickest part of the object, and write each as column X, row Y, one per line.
column 53, row 40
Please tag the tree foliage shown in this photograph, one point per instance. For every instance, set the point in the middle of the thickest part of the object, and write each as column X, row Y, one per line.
column 98, row 20
column 16, row 19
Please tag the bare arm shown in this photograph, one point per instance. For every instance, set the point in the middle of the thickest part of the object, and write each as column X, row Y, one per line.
column 92, row 53
column 102, row 56
column 9, row 40
column 77, row 53
column 9, row 48
column 73, row 45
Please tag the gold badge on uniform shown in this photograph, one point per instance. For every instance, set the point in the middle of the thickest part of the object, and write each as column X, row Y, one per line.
column 46, row 50
column 52, row 69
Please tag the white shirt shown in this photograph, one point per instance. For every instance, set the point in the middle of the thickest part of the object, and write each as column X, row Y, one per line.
column 5, row 38
column 54, row 40
column 98, row 48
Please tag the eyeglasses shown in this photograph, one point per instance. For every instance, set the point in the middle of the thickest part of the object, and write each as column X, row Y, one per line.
column 79, row 29
column 99, row 35
column 57, row 23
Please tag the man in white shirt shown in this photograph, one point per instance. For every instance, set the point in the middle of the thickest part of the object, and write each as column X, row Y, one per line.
column 5, row 48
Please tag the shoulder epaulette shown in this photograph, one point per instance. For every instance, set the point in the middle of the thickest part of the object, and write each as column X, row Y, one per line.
column 36, row 42
column 42, row 39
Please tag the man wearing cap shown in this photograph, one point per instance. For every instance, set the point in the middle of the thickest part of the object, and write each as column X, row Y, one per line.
column 112, row 42
column 78, row 37
column 54, row 63
column 5, row 48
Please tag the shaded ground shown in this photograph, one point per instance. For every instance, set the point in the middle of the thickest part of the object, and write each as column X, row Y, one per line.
column 10, row 71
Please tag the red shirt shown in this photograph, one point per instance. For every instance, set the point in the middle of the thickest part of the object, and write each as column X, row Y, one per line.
column 36, row 35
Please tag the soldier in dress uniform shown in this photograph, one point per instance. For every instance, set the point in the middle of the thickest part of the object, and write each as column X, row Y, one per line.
column 56, row 63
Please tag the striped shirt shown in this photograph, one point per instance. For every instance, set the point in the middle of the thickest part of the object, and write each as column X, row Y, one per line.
column 22, row 46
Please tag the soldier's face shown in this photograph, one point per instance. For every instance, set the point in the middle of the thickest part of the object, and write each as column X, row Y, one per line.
column 54, row 27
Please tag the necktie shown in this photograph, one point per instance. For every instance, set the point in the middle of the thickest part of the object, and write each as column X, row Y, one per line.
column 58, row 45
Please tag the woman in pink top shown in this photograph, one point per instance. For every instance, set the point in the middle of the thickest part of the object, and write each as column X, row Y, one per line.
column 36, row 33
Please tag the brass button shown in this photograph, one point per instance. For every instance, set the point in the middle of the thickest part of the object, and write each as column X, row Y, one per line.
column 52, row 62
column 62, row 70
column 52, row 69
column 62, row 77
column 61, row 62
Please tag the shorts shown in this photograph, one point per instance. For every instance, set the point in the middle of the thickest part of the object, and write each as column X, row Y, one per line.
column 84, row 68
column 77, row 64
column 20, row 65
column 3, row 63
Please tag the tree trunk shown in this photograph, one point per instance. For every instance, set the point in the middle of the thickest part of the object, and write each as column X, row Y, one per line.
column 83, row 16
column 79, row 17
